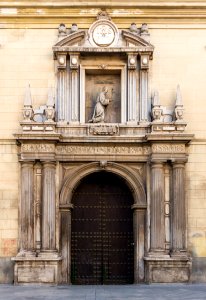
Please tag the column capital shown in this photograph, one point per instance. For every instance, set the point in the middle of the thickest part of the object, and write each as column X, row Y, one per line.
column 157, row 164
column 48, row 163
column 28, row 163
column 178, row 164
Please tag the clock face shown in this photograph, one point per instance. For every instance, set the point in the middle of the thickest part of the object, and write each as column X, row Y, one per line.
column 103, row 35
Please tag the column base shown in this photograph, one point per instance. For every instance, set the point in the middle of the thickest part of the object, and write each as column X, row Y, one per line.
column 167, row 270
column 36, row 270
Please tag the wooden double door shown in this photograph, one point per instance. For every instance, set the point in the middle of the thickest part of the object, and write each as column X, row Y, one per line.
column 102, row 247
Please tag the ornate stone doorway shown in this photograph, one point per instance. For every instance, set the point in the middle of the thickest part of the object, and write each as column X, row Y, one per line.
column 102, row 245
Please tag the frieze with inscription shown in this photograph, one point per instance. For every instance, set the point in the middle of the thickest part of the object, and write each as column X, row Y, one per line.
column 37, row 148
column 105, row 150
column 168, row 148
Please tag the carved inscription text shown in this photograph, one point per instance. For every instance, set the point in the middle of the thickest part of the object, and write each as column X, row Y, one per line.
column 38, row 148
column 98, row 150
column 168, row 148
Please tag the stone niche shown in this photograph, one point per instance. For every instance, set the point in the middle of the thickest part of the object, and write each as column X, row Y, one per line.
column 130, row 139
column 95, row 81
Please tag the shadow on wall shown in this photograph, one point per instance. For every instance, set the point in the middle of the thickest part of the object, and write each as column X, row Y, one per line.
column 198, row 269
column 6, row 270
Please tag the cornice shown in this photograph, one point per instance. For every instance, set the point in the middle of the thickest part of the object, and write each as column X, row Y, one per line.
column 106, row 3
column 51, row 13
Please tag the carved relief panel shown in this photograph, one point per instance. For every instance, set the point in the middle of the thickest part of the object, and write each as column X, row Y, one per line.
column 103, row 98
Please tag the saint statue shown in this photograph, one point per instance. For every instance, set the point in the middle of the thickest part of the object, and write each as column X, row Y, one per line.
column 99, row 109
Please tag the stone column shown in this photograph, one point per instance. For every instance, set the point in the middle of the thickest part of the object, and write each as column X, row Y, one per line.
column 49, row 207
column 27, row 209
column 178, row 210
column 157, row 209
column 139, row 243
column 66, row 243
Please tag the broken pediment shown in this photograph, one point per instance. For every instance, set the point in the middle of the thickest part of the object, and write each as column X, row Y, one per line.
column 104, row 36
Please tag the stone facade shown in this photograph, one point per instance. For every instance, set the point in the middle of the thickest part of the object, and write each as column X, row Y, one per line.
column 143, row 139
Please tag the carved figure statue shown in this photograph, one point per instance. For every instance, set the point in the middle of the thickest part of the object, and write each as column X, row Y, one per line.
column 99, row 109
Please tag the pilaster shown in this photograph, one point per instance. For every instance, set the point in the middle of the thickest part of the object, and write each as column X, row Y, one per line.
column 144, row 69
column 37, row 204
column 74, row 96
column 157, row 238
column 139, row 243
column 62, row 95
column 65, row 211
column 27, row 210
column 178, row 209
column 49, row 207
column 132, row 108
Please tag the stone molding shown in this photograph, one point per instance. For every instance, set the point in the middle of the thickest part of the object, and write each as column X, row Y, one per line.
column 132, row 178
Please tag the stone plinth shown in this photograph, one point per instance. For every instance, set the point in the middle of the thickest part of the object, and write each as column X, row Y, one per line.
column 167, row 270
column 36, row 270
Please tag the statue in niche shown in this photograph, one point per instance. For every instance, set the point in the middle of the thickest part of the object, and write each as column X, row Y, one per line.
column 100, row 106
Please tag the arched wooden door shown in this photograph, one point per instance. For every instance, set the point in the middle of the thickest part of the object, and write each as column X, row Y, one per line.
column 102, row 250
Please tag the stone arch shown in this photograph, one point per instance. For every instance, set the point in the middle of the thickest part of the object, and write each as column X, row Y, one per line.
column 132, row 179
column 135, row 183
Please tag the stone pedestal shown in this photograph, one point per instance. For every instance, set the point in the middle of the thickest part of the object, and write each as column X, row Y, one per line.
column 167, row 270
column 36, row 270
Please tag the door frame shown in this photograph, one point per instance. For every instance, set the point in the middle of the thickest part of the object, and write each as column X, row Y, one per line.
column 134, row 181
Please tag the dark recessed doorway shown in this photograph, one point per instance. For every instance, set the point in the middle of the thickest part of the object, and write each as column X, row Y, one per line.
column 102, row 250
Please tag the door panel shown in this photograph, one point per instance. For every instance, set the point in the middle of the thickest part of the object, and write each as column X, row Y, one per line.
column 102, row 231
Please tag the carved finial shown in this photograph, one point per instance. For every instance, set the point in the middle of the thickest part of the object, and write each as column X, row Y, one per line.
column 178, row 96
column 179, row 110
column 50, row 111
column 133, row 28
column 62, row 30
column 103, row 15
column 156, row 100
column 144, row 32
column 144, row 29
column 74, row 28
column 28, row 99
column 50, row 101
column 157, row 111
column 28, row 110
